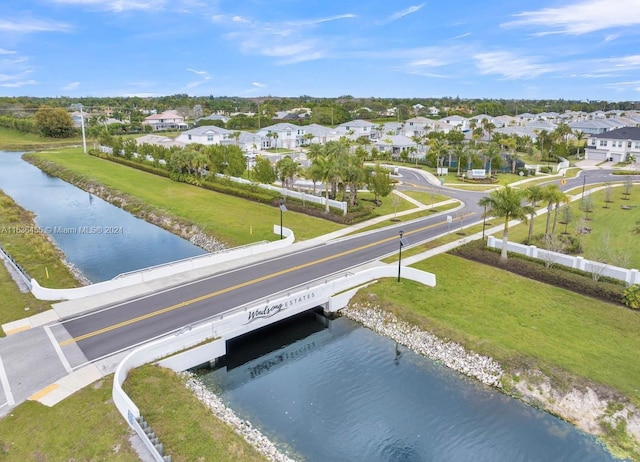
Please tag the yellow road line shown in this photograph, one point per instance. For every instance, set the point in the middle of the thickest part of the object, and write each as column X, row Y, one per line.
column 17, row 329
column 45, row 391
column 229, row 289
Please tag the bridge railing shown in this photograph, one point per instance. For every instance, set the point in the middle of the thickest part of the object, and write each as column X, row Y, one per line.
column 20, row 271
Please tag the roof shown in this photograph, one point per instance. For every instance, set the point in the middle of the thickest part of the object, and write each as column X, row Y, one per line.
column 206, row 130
column 624, row 133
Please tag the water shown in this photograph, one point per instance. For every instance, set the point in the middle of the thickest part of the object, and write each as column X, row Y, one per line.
column 78, row 223
column 344, row 393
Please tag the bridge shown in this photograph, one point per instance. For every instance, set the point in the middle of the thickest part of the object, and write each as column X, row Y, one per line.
column 50, row 355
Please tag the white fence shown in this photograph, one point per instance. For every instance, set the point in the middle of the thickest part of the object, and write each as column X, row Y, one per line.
column 303, row 196
column 160, row 271
column 629, row 276
column 284, row 191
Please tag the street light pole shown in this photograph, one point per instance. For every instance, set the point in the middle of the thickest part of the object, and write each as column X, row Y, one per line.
column 400, row 256
column 282, row 209
column 584, row 181
column 484, row 221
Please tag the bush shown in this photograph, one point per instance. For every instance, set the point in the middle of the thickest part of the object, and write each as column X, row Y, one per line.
column 607, row 290
column 631, row 297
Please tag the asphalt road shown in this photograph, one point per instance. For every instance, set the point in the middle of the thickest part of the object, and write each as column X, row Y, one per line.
column 122, row 326
column 32, row 359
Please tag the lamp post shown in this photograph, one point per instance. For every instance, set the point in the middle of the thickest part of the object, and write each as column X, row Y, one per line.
column 282, row 209
column 584, row 181
column 484, row 221
column 403, row 242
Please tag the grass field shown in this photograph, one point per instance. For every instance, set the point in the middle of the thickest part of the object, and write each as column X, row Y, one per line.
column 521, row 323
column 86, row 426
column 36, row 254
column 186, row 428
column 612, row 237
column 12, row 140
column 233, row 220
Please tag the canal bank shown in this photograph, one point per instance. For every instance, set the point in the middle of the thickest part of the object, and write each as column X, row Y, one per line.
column 136, row 207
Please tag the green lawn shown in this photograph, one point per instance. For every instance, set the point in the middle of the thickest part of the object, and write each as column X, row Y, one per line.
column 231, row 219
column 186, row 427
column 612, row 224
column 521, row 323
column 35, row 253
column 85, row 426
column 12, row 140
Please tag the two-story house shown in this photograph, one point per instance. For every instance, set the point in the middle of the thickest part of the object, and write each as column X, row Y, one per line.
column 615, row 145
column 207, row 135
column 168, row 120
column 283, row 135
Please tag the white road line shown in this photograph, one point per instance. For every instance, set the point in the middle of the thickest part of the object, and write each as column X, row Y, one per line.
column 56, row 346
column 5, row 384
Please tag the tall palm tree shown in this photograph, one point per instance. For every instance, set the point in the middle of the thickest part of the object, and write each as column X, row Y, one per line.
column 505, row 203
column 326, row 168
column 552, row 195
column 561, row 198
column 534, row 194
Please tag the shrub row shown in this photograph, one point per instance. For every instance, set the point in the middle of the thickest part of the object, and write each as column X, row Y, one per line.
column 244, row 191
column 566, row 278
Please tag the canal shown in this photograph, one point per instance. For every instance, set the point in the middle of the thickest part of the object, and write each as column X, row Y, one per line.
column 321, row 390
column 336, row 391
column 99, row 239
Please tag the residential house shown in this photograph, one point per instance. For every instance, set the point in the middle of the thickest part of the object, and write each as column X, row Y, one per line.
column 282, row 135
column 457, row 122
column 156, row 140
column 168, row 120
column 357, row 128
column 615, row 145
column 396, row 145
column 321, row 134
column 482, row 117
column 222, row 118
column 207, row 135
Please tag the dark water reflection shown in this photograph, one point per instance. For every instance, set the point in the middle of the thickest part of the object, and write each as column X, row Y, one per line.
column 343, row 393
column 100, row 239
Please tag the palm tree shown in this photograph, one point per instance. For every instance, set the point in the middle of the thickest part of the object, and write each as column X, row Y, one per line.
column 580, row 135
column 325, row 165
column 561, row 198
column 505, row 203
column 552, row 195
column 534, row 194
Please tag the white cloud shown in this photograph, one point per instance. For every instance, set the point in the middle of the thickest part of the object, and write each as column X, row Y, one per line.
column 6, row 52
column 27, row 26
column 205, row 77
column 581, row 18
column 71, row 86
column 258, row 84
column 197, row 72
column 509, row 65
column 626, row 62
column 18, row 84
column 311, row 22
column 405, row 12
column 117, row 6
column 288, row 41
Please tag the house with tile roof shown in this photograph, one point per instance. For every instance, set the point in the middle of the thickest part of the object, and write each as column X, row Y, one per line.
column 167, row 120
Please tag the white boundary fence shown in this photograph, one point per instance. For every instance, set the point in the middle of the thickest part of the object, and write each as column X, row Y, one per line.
column 303, row 196
column 629, row 276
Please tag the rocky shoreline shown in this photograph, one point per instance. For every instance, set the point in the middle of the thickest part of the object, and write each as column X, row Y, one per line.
column 584, row 408
column 451, row 354
column 252, row 435
column 137, row 208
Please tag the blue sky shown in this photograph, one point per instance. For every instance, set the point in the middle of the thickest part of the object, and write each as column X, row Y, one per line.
column 493, row 49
